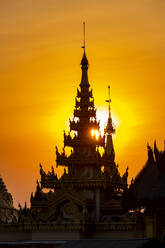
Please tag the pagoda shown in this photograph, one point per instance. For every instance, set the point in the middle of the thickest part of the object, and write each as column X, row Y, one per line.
column 7, row 212
column 91, row 200
column 91, row 190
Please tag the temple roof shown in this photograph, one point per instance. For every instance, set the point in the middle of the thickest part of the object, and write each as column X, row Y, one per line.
column 150, row 182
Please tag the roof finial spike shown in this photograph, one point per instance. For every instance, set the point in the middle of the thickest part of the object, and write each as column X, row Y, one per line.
column 109, row 101
column 109, row 128
column 83, row 36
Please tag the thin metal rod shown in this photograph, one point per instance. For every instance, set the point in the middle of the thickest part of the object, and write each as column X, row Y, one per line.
column 84, row 35
column 109, row 100
column 109, row 92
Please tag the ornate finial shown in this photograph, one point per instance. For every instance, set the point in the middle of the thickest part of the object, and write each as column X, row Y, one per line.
column 155, row 146
column 53, row 170
column 150, row 153
column 31, row 197
column 19, row 205
column 37, row 183
column 109, row 101
column 41, row 170
column 83, row 36
column 110, row 128
column 84, row 64
column 25, row 207
column 156, row 152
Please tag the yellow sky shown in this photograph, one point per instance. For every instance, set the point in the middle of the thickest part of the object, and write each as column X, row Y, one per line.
column 40, row 48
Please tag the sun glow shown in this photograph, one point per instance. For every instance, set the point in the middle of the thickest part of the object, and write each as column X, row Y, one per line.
column 124, row 126
column 102, row 116
column 95, row 133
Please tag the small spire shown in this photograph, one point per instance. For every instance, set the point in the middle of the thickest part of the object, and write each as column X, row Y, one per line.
column 155, row 146
column 109, row 101
column 156, row 152
column 84, row 61
column 83, row 36
column 25, row 207
column 84, row 65
column 109, row 128
column 150, row 153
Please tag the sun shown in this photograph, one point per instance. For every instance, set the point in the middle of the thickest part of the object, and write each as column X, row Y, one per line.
column 95, row 133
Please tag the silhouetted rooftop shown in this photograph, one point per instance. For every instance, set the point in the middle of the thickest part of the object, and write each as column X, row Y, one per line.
column 150, row 182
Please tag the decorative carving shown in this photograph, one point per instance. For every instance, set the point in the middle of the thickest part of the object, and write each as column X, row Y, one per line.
column 70, row 210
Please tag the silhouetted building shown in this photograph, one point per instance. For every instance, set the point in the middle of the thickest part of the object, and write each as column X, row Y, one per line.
column 147, row 193
column 7, row 212
column 88, row 197
column 91, row 200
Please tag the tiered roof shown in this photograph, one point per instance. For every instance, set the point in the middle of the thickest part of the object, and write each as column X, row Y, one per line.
column 84, row 152
column 83, row 122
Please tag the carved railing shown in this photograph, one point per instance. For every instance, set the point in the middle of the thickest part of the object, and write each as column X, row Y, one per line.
column 77, row 125
column 74, row 125
column 83, row 104
column 88, row 113
column 84, row 94
column 89, row 140
column 69, row 141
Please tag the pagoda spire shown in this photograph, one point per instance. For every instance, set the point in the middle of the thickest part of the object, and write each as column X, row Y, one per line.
column 84, row 64
column 109, row 130
column 84, row 36
column 83, row 123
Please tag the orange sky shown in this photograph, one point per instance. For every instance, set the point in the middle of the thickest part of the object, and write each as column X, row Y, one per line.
column 40, row 48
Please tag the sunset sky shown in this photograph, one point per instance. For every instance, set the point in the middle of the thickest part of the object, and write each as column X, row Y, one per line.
column 40, row 54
